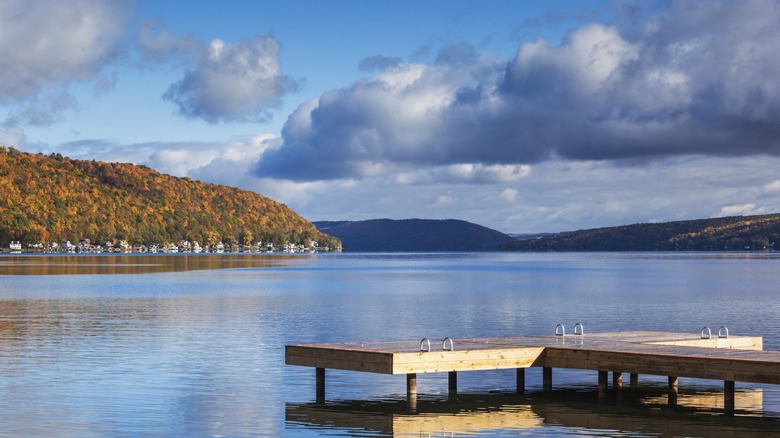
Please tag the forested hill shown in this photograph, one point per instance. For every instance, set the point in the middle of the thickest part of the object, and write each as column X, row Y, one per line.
column 720, row 234
column 55, row 199
column 413, row 235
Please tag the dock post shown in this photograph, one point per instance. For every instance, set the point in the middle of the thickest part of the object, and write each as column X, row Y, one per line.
column 617, row 379
column 546, row 379
column 728, row 397
column 634, row 380
column 411, row 390
column 320, row 378
column 520, row 380
column 603, row 378
column 617, row 383
column 453, row 383
column 674, row 387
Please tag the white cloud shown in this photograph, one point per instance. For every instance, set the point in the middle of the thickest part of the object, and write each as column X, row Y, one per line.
column 13, row 137
column 229, row 82
column 47, row 44
column 737, row 210
column 41, row 109
column 772, row 187
column 228, row 163
column 509, row 194
column 445, row 201
column 556, row 196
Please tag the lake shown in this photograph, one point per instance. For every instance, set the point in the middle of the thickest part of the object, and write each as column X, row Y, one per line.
column 175, row 345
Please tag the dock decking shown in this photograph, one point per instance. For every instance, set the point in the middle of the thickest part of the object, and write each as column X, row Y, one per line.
column 728, row 358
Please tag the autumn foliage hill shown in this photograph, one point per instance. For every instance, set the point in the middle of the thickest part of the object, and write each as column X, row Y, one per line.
column 54, row 199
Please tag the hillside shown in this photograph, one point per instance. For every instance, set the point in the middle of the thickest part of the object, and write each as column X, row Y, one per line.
column 54, row 199
column 413, row 235
column 720, row 234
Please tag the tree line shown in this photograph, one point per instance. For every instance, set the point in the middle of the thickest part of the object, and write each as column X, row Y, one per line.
column 51, row 198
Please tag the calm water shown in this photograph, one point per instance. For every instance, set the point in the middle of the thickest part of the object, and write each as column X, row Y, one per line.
column 194, row 346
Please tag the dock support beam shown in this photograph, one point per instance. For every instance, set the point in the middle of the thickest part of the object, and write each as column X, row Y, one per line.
column 617, row 384
column 546, row 379
column 634, row 380
column 603, row 381
column 674, row 384
column 320, row 391
column 728, row 397
column 452, row 383
column 520, row 381
column 674, row 388
column 617, row 379
column 411, row 390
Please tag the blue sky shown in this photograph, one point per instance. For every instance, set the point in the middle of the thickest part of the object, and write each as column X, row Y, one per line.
column 520, row 116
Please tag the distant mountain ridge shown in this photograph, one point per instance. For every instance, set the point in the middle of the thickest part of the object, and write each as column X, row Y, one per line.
column 413, row 235
column 739, row 233
column 54, row 198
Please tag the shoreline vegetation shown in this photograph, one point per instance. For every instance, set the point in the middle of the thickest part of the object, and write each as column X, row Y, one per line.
column 50, row 201
column 734, row 233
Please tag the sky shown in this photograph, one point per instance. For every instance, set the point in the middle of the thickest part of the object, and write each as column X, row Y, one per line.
column 521, row 116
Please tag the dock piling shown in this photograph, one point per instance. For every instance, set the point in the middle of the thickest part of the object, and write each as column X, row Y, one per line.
column 547, row 379
column 452, row 383
column 674, row 384
column 411, row 390
column 617, row 379
column 520, row 381
column 603, row 381
column 320, row 391
column 728, row 397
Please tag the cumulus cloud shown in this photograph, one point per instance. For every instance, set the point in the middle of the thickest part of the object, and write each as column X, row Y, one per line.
column 509, row 194
column 158, row 45
column 701, row 78
column 217, row 162
column 41, row 110
column 772, row 187
column 737, row 210
column 379, row 63
column 228, row 82
column 13, row 137
column 46, row 44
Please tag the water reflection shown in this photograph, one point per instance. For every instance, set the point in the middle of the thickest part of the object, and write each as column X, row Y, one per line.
column 135, row 264
column 644, row 412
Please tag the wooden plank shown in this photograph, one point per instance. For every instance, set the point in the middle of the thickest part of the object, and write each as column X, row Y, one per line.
column 467, row 360
column 722, row 367
column 375, row 362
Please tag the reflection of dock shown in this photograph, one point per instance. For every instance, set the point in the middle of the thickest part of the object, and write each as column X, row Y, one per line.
column 475, row 414
column 730, row 359
column 394, row 418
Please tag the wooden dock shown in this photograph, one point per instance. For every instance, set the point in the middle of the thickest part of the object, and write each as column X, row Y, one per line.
column 697, row 355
